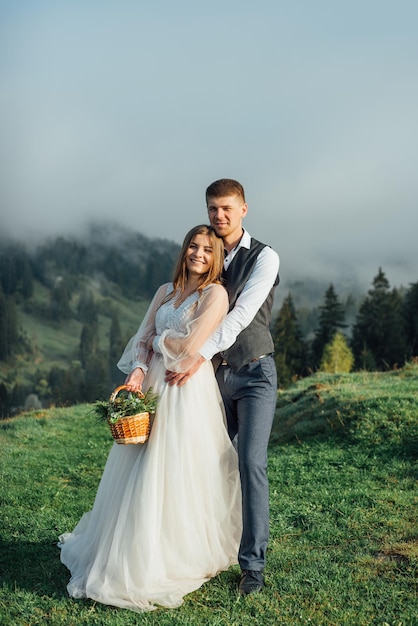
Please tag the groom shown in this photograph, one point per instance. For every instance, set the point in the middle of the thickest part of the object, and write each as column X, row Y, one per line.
column 246, row 371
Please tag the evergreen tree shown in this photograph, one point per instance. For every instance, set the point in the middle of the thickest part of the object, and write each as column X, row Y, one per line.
column 17, row 396
column 331, row 319
column 75, row 379
column 378, row 340
column 96, row 383
column 56, row 382
column 116, row 345
column 410, row 316
column 337, row 356
column 159, row 269
column 86, row 308
column 115, row 338
column 8, row 274
column 26, row 281
column 59, row 305
column 88, row 342
column 4, row 401
column 290, row 349
column 66, row 385
column 9, row 334
column 4, row 346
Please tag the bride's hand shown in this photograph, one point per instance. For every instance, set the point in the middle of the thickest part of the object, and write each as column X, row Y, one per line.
column 135, row 379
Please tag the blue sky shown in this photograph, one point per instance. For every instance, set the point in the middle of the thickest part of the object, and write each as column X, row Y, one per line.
column 126, row 110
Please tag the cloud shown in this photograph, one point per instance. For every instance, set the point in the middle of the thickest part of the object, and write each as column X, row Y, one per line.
column 127, row 112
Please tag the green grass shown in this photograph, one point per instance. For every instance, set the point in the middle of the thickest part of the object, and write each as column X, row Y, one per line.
column 51, row 341
column 344, row 538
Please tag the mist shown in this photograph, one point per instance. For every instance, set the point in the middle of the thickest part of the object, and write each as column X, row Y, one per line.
column 125, row 113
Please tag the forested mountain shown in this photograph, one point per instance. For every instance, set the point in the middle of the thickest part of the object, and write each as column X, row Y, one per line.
column 133, row 262
column 69, row 305
column 67, row 308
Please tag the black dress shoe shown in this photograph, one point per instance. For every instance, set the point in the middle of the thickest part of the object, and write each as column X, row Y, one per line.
column 251, row 582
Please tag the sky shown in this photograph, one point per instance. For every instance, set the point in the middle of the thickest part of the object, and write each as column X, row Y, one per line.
column 126, row 110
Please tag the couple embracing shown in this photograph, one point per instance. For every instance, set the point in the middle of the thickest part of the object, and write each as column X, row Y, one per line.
column 174, row 512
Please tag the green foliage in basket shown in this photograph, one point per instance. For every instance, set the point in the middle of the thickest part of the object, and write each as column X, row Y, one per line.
column 125, row 405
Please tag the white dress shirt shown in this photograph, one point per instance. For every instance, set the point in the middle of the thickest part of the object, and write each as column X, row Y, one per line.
column 253, row 295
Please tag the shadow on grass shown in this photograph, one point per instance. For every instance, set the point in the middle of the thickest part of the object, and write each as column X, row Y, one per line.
column 33, row 567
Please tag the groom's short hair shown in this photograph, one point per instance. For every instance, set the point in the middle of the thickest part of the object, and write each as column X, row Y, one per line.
column 225, row 187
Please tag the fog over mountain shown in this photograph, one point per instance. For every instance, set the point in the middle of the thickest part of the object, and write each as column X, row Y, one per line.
column 124, row 112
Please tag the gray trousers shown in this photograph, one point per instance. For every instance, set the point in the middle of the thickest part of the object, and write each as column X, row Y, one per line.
column 250, row 397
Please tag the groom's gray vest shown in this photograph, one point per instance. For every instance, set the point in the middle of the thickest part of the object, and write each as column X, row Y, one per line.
column 255, row 340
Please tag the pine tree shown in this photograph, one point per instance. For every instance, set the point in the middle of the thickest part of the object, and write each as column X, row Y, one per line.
column 17, row 396
column 337, row 356
column 88, row 342
column 410, row 316
column 116, row 345
column 56, row 381
column 9, row 334
column 378, row 340
column 158, row 271
column 59, row 306
column 27, row 280
column 66, row 385
column 96, row 383
column 331, row 319
column 290, row 349
column 8, row 274
column 4, row 401
column 4, row 346
column 115, row 338
column 86, row 308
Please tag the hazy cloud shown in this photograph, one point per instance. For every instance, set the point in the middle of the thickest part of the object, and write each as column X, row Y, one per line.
column 126, row 112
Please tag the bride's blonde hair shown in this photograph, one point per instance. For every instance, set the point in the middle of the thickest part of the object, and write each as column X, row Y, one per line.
column 214, row 274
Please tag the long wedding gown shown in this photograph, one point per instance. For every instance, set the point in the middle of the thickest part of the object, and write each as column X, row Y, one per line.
column 167, row 514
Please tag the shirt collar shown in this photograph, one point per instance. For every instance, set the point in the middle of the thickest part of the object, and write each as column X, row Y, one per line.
column 245, row 240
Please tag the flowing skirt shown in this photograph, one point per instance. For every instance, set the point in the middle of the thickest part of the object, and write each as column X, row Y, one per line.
column 167, row 513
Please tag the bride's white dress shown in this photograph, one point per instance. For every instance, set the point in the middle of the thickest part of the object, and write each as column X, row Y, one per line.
column 167, row 514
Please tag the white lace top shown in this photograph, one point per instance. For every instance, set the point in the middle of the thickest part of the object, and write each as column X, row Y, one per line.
column 179, row 332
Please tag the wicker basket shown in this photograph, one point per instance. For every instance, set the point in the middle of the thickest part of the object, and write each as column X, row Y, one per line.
column 132, row 428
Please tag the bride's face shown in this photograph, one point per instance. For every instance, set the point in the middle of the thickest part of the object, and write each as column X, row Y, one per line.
column 199, row 255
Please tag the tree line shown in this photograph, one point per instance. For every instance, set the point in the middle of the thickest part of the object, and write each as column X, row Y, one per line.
column 384, row 334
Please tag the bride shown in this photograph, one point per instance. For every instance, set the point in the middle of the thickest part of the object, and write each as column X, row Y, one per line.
column 167, row 514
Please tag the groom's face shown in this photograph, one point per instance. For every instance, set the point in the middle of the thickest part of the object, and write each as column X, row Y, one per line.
column 225, row 215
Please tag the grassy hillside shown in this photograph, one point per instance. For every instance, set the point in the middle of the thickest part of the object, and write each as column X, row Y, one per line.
column 344, row 541
column 50, row 343
column 372, row 408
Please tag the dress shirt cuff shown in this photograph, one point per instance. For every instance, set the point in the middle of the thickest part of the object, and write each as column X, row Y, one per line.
column 206, row 352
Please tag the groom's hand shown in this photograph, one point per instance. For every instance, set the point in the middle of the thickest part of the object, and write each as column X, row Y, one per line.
column 181, row 378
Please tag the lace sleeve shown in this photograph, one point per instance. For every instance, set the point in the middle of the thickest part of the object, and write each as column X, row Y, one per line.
column 181, row 350
column 136, row 353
